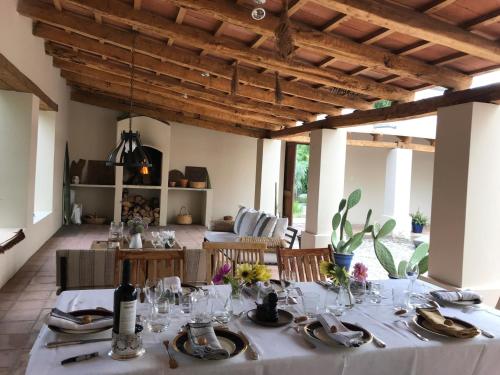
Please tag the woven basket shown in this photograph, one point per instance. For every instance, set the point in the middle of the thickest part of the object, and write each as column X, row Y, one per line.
column 92, row 219
column 198, row 184
column 184, row 218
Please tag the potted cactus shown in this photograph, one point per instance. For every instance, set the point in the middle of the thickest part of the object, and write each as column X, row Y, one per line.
column 420, row 256
column 418, row 222
column 344, row 241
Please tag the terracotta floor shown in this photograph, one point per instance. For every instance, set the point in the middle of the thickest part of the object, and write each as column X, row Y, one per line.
column 27, row 297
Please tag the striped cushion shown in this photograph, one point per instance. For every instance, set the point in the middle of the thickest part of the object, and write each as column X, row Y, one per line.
column 265, row 226
column 239, row 217
column 280, row 228
column 248, row 222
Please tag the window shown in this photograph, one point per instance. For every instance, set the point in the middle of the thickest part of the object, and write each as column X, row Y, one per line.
column 44, row 176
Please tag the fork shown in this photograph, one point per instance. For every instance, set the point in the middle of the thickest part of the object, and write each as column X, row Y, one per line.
column 172, row 362
column 411, row 330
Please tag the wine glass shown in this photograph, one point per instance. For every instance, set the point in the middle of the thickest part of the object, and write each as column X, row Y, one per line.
column 412, row 272
column 288, row 278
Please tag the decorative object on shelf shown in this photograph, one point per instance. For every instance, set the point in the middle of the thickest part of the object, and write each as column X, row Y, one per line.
column 99, row 174
column 94, row 219
column 344, row 241
column 283, row 35
column 258, row 13
column 136, row 227
column 176, row 176
column 198, row 184
column 66, row 189
column 137, row 205
column 228, row 218
column 198, row 174
column 183, row 182
column 418, row 222
column 76, row 214
column 76, row 169
column 340, row 278
column 75, row 180
column 184, row 217
column 172, row 183
column 129, row 151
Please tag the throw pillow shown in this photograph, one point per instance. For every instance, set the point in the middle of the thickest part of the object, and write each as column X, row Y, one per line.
column 280, row 229
column 265, row 226
column 237, row 220
column 248, row 222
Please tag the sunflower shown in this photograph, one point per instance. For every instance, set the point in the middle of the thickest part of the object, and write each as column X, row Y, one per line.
column 245, row 272
column 261, row 273
column 326, row 268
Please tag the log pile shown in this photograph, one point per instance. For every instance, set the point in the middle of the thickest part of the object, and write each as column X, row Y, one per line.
column 139, row 206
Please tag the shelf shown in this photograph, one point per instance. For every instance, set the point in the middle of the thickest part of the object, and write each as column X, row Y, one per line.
column 92, row 186
column 187, row 189
column 144, row 187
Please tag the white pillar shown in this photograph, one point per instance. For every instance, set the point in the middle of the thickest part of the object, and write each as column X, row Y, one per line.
column 398, row 189
column 465, row 205
column 267, row 181
column 325, row 184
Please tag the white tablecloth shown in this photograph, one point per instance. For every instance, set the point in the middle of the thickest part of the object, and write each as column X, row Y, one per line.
column 285, row 352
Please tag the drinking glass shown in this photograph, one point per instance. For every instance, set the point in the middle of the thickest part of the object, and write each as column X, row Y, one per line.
column 159, row 320
column 158, row 305
column 221, row 308
column 400, row 299
column 115, row 234
column 186, row 303
column 412, row 272
column 310, row 302
column 375, row 292
column 200, row 307
column 156, row 240
column 358, row 291
column 288, row 278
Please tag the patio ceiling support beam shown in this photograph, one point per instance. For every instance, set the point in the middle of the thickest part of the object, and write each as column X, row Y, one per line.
column 403, row 111
column 163, row 27
column 416, row 24
column 160, row 114
column 340, row 47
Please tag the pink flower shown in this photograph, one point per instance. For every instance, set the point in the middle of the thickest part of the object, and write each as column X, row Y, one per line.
column 221, row 273
column 360, row 272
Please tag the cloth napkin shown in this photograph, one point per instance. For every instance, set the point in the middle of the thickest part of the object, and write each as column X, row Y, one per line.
column 61, row 319
column 172, row 283
column 438, row 322
column 204, row 342
column 339, row 332
column 456, row 296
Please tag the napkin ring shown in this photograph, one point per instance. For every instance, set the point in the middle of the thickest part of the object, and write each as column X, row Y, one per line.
column 127, row 346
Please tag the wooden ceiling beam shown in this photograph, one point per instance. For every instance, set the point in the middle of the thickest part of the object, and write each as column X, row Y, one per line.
column 163, row 27
column 179, row 103
column 403, row 111
column 58, row 4
column 105, row 70
column 342, row 48
column 416, row 24
column 335, row 22
column 178, row 19
column 164, row 115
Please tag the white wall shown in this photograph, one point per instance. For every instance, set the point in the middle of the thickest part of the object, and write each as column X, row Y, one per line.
column 421, row 182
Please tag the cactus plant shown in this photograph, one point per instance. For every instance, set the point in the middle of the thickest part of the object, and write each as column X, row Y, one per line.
column 344, row 241
column 420, row 256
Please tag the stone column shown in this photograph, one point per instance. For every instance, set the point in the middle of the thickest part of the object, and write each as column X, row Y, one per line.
column 398, row 189
column 325, row 184
column 464, row 250
column 268, row 175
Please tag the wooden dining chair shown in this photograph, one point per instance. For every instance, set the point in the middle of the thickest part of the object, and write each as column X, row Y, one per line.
column 305, row 262
column 150, row 264
column 233, row 253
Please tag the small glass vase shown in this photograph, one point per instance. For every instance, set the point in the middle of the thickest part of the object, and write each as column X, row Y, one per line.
column 345, row 296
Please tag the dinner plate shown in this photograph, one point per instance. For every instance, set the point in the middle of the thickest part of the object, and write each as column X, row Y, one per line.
column 422, row 323
column 315, row 332
column 284, row 318
column 94, row 313
column 231, row 341
column 188, row 288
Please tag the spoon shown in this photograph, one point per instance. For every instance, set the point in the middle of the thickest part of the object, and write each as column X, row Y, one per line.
column 172, row 362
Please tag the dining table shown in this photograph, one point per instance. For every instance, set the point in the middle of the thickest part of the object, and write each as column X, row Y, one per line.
column 285, row 350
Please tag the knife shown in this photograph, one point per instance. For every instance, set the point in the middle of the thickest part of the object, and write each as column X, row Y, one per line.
column 55, row 344
column 79, row 358
column 251, row 350
column 376, row 340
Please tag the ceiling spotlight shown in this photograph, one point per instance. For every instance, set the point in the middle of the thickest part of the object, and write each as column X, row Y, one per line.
column 185, row 96
column 258, row 14
column 205, row 74
column 259, row 2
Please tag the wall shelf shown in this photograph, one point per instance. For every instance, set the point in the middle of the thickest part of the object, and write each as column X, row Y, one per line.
column 92, row 186
column 187, row 189
column 144, row 187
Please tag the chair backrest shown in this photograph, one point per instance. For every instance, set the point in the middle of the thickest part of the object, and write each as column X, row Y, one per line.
column 152, row 264
column 233, row 253
column 305, row 262
column 290, row 236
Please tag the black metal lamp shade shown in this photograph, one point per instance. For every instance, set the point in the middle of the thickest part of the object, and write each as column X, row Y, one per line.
column 129, row 152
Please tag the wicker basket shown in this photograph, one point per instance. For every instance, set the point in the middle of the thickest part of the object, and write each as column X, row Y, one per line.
column 184, row 218
column 93, row 219
column 198, row 184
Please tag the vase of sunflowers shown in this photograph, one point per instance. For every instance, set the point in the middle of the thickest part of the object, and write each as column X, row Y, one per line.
column 340, row 278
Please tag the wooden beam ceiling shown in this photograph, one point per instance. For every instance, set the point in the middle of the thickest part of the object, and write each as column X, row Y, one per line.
column 342, row 48
column 164, row 115
column 12, row 79
column 403, row 111
column 162, row 27
column 408, row 21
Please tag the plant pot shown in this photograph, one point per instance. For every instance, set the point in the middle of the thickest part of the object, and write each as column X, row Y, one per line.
column 417, row 228
column 343, row 260
column 135, row 241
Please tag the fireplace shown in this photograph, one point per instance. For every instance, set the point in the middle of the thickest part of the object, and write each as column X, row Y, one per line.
column 143, row 203
column 135, row 176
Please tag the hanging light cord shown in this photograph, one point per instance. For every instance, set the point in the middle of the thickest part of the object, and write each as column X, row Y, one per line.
column 132, row 75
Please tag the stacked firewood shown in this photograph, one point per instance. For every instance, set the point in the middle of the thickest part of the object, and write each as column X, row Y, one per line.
column 139, row 206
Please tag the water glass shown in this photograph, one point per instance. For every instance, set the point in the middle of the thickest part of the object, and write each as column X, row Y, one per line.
column 221, row 308
column 186, row 303
column 159, row 321
column 400, row 298
column 201, row 308
column 310, row 303
column 375, row 292
column 115, row 234
column 333, row 303
column 412, row 272
column 359, row 291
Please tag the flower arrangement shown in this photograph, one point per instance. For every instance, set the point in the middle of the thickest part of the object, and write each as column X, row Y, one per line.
column 252, row 273
column 338, row 274
column 137, row 225
column 360, row 273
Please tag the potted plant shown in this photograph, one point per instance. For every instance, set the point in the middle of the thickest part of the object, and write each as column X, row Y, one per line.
column 344, row 241
column 420, row 256
column 418, row 221
column 136, row 227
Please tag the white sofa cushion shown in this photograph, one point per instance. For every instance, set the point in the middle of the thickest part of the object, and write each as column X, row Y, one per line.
column 265, row 226
column 239, row 218
column 221, row 236
column 280, row 228
column 248, row 222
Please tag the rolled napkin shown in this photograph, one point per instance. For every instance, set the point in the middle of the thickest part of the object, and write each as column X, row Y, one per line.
column 204, row 342
column 456, row 296
column 439, row 323
column 64, row 320
column 339, row 332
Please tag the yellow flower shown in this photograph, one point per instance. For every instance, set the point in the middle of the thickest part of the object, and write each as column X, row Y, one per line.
column 245, row 272
column 261, row 273
column 325, row 268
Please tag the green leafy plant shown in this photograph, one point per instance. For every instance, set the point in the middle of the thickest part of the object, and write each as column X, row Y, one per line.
column 344, row 241
column 297, row 208
column 419, row 218
column 420, row 256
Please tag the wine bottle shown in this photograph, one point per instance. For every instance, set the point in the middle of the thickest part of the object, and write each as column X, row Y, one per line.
column 125, row 304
